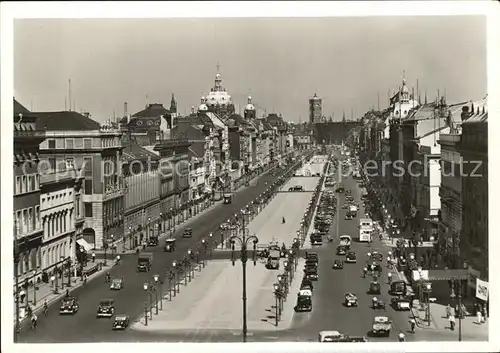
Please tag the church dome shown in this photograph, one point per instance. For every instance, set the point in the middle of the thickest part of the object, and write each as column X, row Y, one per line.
column 202, row 107
column 249, row 105
column 405, row 87
column 315, row 97
column 218, row 95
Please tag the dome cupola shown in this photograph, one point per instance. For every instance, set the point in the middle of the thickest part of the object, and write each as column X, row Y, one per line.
column 249, row 106
column 202, row 107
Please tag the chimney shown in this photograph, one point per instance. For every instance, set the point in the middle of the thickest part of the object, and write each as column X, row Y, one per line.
column 86, row 114
column 465, row 113
column 125, row 109
column 128, row 118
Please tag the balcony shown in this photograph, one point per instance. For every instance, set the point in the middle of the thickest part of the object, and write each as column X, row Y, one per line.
column 56, row 176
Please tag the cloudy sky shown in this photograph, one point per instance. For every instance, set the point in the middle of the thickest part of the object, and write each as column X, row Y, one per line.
column 280, row 62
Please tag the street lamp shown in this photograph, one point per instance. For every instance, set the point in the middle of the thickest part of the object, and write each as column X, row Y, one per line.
column 149, row 229
column 171, row 277
column 130, row 236
column 34, row 287
column 145, row 286
column 105, row 245
column 112, row 236
column 428, row 289
column 62, row 271
column 156, row 279
column 244, row 241
column 176, row 282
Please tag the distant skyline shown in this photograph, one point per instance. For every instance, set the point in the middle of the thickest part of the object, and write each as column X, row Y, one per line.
column 281, row 62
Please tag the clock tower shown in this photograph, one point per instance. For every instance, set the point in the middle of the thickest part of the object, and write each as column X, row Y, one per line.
column 315, row 113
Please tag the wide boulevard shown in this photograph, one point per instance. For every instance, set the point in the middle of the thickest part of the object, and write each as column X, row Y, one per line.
column 85, row 327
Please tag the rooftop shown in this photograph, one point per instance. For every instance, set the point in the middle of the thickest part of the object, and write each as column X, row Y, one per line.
column 133, row 151
column 64, row 121
column 19, row 108
column 154, row 110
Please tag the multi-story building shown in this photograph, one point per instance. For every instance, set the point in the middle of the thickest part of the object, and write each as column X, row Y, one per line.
column 144, row 126
column 142, row 191
column 62, row 216
column 315, row 110
column 174, row 181
column 28, row 230
column 303, row 137
column 474, row 152
column 77, row 140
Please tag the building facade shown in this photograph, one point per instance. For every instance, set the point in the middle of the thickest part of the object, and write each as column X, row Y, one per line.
column 474, row 152
column 28, row 230
column 77, row 140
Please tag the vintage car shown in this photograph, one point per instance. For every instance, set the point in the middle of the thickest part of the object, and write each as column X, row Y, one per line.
column 332, row 336
column 338, row 264
column 350, row 299
column 350, row 257
column 169, row 245
column 401, row 303
column 116, row 284
column 311, row 264
column 121, row 322
column 106, row 308
column 306, row 283
column 296, row 188
column 341, row 250
column 188, row 233
column 375, row 268
column 69, row 305
column 349, row 216
column 153, row 240
column 311, row 274
column 381, row 326
column 398, row 288
column 357, row 339
column 374, row 288
column 376, row 256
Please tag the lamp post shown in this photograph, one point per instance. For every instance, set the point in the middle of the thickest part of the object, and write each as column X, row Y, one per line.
column 158, row 283
column 130, row 237
column 69, row 273
column 190, row 265
column 62, row 271
column 276, row 308
column 176, row 277
column 148, row 234
column 112, row 236
column 244, row 241
column 171, row 276
column 427, row 289
column 34, row 287
column 459, row 311
column 204, row 244
column 145, row 286
column 105, row 245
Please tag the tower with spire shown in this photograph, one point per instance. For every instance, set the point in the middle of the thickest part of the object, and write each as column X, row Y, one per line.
column 404, row 103
column 218, row 100
column 173, row 105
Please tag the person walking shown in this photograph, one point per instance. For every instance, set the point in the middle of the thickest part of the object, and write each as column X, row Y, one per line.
column 452, row 322
column 479, row 315
column 412, row 325
column 93, row 257
column 448, row 311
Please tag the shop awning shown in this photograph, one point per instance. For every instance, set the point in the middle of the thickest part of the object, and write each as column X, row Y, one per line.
column 84, row 244
column 446, row 275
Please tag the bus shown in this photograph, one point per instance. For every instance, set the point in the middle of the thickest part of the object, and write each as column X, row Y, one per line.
column 365, row 234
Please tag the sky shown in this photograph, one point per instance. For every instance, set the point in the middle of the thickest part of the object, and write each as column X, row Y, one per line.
column 350, row 62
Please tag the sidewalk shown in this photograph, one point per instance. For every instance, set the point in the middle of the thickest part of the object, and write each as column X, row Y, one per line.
column 46, row 291
column 212, row 301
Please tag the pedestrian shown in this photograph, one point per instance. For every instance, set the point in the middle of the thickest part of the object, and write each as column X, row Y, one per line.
column 67, row 293
column 479, row 315
column 93, row 257
column 448, row 311
column 412, row 325
column 452, row 322
column 22, row 295
column 483, row 313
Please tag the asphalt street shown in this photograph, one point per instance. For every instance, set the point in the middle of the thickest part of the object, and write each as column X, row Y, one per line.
column 329, row 313
column 85, row 327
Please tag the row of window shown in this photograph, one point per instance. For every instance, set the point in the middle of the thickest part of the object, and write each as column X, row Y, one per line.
column 27, row 183
column 81, row 143
column 27, row 220
column 29, row 261
column 58, row 224
column 56, row 198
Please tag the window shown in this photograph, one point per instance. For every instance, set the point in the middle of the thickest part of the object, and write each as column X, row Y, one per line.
column 25, row 222
column 18, row 185
column 52, row 163
column 87, row 143
column 52, row 144
column 88, row 186
column 77, row 206
column 18, row 221
column 24, row 185
column 70, row 143
column 37, row 181
column 31, row 182
column 31, row 220
column 70, row 163
column 37, row 217
column 88, row 209
column 87, row 164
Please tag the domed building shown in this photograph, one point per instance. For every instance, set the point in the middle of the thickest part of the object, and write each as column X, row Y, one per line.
column 218, row 100
column 250, row 112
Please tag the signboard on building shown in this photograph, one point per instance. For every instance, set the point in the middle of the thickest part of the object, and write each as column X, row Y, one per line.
column 482, row 289
column 422, row 275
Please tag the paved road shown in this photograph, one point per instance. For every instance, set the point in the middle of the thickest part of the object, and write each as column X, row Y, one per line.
column 84, row 327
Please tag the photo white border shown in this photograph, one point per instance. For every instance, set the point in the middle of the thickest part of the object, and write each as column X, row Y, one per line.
column 16, row 10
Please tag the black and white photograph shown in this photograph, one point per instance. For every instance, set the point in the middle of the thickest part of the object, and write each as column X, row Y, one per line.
column 191, row 176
